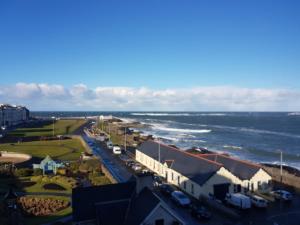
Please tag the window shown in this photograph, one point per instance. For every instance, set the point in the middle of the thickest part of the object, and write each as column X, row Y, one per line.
column 178, row 180
column 184, row 184
column 159, row 222
column 259, row 185
column 172, row 176
column 192, row 188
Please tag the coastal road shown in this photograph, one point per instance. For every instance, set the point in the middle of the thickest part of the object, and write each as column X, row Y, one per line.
column 112, row 163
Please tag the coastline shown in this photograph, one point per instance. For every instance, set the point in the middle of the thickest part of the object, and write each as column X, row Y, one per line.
column 135, row 125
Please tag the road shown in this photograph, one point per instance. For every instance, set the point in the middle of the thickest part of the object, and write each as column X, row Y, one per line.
column 111, row 162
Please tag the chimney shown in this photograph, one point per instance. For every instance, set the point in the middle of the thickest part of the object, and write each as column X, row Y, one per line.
column 143, row 180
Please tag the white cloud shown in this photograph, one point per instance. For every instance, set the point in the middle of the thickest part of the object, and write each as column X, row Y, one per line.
column 218, row 98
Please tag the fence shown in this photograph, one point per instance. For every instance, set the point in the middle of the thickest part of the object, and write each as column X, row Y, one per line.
column 287, row 178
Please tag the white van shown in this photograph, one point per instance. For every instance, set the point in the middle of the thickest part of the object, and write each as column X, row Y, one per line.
column 258, row 201
column 117, row 150
column 238, row 200
column 109, row 145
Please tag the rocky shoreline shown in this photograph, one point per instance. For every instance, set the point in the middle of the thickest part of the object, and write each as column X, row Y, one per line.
column 139, row 136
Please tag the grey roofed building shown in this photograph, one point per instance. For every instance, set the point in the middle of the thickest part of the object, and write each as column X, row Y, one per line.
column 85, row 200
column 198, row 170
column 117, row 204
column 242, row 169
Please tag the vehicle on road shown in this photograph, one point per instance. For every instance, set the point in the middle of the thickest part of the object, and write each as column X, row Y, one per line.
column 166, row 189
column 109, row 145
column 238, row 200
column 282, row 195
column 180, row 198
column 200, row 212
column 258, row 201
column 117, row 150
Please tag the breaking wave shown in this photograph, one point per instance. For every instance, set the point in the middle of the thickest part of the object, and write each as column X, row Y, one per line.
column 160, row 127
column 178, row 114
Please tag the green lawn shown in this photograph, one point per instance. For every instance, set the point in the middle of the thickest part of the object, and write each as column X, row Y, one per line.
column 46, row 128
column 69, row 149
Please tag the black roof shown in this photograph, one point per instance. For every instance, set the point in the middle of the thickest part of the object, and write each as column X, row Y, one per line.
column 242, row 169
column 113, row 204
column 84, row 199
column 197, row 169
column 141, row 206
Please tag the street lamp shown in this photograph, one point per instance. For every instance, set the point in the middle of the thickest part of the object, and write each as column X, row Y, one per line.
column 53, row 127
column 280, row 166
column 125, row 139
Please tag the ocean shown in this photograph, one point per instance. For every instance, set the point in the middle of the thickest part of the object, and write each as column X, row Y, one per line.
column 255, row 136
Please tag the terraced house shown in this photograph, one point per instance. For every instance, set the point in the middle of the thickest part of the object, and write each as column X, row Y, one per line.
column 204, row 174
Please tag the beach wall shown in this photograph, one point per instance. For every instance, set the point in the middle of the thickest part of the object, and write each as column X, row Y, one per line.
column 287, row 178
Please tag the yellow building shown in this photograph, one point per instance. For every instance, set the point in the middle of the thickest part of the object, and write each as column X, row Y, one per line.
column 203, row 174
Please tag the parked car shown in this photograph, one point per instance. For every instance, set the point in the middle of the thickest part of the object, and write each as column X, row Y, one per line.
column 136, row 167
column 157, row 180
column 282, row 194
column 166, row 189
column 258, row 201
column 200, row 212
column 109, row 145
column 130, row 163
column 180, row 198
column 117, row 150
column 238, row 200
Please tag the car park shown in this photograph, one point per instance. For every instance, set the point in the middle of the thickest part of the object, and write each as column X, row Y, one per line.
column 258, row 201
column 180, row 198
column 200, row 212
column 166, row 189
column 282, row 195
column 238, row 200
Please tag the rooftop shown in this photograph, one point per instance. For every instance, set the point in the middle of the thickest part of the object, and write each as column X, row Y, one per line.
column 201, row 166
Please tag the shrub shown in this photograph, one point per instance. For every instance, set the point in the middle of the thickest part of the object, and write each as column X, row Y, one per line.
column 23, row 172
column 37, row 172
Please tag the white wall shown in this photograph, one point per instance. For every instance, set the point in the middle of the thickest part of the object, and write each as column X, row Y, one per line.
column 160, row 213
column 220, row 177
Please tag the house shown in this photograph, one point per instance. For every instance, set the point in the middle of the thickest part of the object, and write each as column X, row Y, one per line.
column 202, row 175
column 131, row 203
column 48, row 165
column 11, row 115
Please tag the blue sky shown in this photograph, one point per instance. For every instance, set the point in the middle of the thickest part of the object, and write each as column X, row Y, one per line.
column 156, row 44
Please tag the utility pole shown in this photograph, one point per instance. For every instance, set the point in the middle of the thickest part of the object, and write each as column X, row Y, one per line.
column 158, row 150
column 280, row 166
column 125, row 139
column 53, row 127
column 109, row 130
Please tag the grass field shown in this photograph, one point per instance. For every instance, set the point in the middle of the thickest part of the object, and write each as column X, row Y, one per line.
column 69, row 149
column 46, row 128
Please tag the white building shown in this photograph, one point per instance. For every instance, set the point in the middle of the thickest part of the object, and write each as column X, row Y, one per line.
column 202, row 175
column 11, row 115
